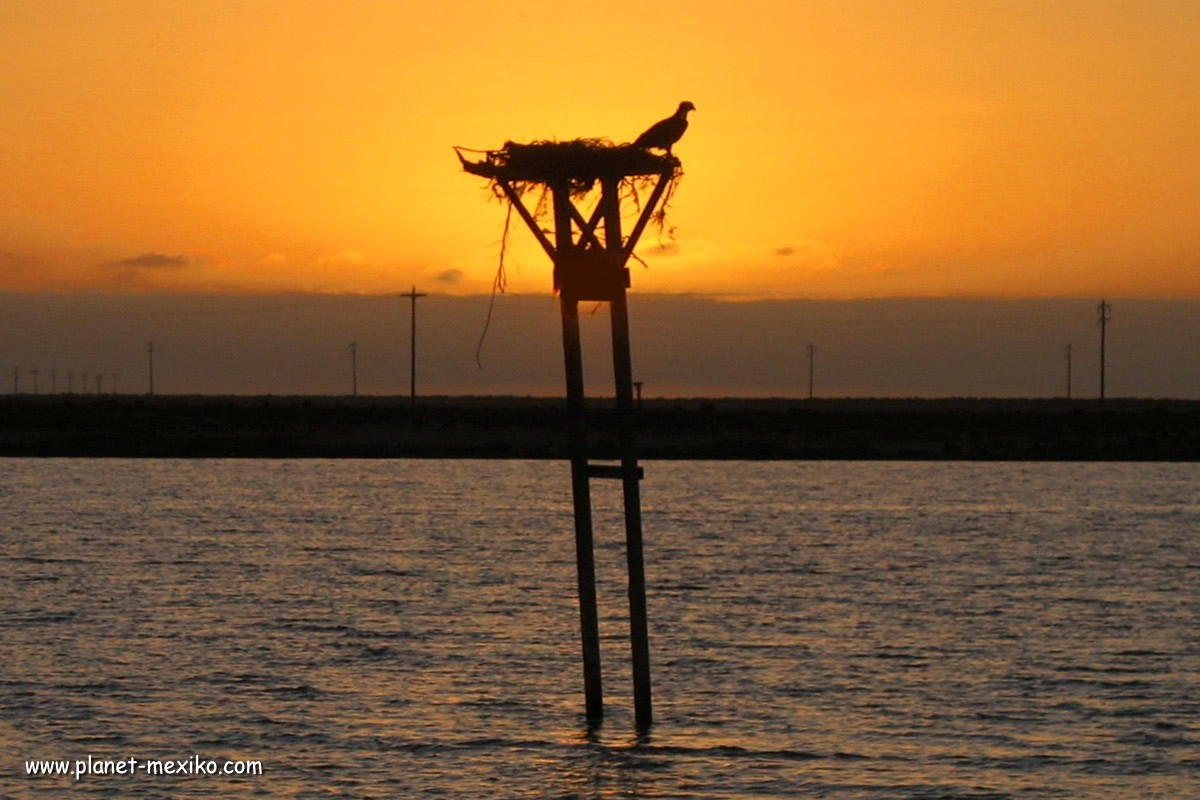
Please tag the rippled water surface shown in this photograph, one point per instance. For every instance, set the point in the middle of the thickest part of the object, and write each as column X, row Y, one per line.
column 409, row 628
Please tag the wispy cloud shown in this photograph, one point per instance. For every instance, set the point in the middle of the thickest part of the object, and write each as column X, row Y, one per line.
column 150, row 271
column 152, row 261
column 809, row 254
column 665, row 249
column 449, row 276
column 13, row 263
column 343, row 258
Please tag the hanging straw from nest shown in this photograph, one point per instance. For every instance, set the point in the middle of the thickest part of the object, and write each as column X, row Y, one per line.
column 499, row 284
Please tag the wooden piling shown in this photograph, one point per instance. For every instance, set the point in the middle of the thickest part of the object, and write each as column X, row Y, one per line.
column 585, row 566
column 630, row 472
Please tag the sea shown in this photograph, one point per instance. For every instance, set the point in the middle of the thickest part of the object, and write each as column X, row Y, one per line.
column 395, row 628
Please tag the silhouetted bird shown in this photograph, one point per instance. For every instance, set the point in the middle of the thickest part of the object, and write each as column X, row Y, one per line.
column 666, row 132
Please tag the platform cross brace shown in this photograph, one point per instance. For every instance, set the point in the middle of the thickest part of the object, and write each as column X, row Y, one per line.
column 587, row 228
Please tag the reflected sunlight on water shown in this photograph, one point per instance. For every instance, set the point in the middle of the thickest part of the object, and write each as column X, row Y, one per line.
column 398, row 628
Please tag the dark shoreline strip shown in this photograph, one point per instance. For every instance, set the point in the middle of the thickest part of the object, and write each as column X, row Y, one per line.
column 534, row 428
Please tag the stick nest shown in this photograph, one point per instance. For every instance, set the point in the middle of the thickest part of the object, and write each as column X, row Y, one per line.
column 578, row 164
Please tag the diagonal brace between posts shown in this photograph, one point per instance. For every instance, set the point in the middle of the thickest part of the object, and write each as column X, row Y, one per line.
column 588, row 228
column 515, row 199
column 647, row 211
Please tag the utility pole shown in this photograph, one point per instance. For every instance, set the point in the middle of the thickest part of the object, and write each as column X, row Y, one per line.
column 412, row 340
column 637, row 387
column 354, row 369
column 150, row 358
column 1104, row 311
column 812, row 350
column 1068, row 372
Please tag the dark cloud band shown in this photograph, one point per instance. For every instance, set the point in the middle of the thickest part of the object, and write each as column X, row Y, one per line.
column 153, row 261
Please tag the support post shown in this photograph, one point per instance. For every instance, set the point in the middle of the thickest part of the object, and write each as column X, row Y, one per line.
column 623, row 378
column 580, row 486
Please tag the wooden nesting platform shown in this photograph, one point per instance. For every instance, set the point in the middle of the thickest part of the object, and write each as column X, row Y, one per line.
column 578, row 163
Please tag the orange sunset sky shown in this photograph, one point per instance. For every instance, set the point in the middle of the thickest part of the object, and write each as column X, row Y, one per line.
column 997, row 148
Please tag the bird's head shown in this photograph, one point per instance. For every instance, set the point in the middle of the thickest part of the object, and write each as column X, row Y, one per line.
column 685, row 107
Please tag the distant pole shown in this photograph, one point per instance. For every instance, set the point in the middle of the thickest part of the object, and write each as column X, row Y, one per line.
column 1104, row 315
column 412, row 341
column 150, row 360
column 637, row 387
column 812, row 350
column 1068, row 372
column 354, row 369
